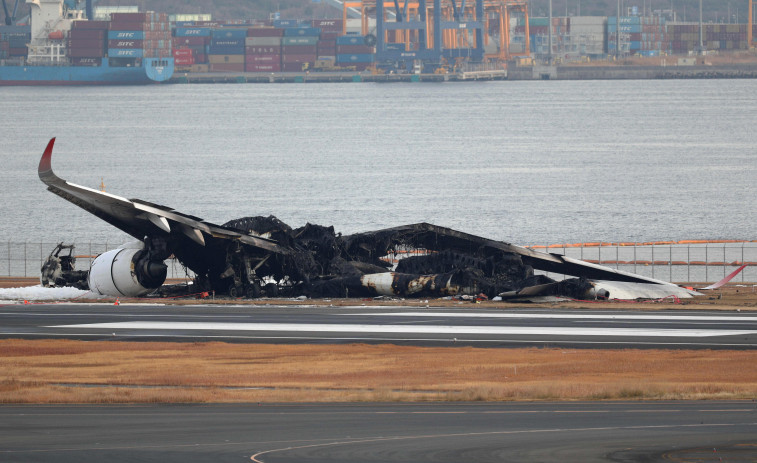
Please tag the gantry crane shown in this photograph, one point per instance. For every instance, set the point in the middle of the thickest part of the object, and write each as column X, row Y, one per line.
column 438, row 31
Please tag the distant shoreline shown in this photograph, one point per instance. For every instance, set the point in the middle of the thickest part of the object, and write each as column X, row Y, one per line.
column 567, row 72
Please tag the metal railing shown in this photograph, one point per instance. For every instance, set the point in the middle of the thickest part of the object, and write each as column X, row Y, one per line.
column 25, row 259
column 677, row 262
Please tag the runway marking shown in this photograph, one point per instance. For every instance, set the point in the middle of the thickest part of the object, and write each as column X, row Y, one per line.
column 366, row 440
column 405, row 329
column 565, row 316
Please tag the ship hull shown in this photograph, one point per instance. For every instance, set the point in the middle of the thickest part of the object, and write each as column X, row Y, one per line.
column 153, row 70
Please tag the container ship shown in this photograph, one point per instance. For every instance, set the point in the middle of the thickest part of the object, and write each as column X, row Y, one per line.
column 64, row 48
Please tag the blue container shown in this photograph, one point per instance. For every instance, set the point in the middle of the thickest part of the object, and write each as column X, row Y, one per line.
column 281, row 23
column 229, row 33
column 184, row 23
column 125, row 53
column 132, row 35
column 192, row 32
column 624, row 20
column 635, row 45
column 350, row 40
column 220, row 42
column 222, row 50
column 355, row 58
column 302, row 32
column 396, row 47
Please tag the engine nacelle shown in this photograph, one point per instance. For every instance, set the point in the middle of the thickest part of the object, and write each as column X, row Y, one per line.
column 126, row 272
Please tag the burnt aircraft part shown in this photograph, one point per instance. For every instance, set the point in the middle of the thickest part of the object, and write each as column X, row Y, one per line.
column 59, row 269
column 245, row 255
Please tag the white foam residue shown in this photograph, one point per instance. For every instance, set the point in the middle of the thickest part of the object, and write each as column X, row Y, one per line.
column 39, row 293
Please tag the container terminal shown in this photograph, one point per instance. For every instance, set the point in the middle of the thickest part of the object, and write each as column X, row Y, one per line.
column 367, row 40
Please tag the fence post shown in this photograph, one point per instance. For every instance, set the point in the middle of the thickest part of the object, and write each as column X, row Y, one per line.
column 26, row 264
column 706, row 262
column 653, row 261
column 9, row 258
column 688, row 263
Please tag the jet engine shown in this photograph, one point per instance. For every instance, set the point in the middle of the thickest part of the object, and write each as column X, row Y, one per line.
column 126, row 272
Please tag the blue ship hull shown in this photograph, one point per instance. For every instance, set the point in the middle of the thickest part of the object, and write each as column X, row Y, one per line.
column 152, row 70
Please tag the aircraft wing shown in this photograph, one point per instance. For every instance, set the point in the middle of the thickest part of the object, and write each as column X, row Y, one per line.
column 141, row 218
column 433, row 237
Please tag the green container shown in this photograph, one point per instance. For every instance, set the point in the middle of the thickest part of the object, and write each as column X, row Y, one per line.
column 357, row 78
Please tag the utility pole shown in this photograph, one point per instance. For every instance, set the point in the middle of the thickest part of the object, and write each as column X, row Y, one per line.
column 549, row 36
column 701, row 30
column 617, row 34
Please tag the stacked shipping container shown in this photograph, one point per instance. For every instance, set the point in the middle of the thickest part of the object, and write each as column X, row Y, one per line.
column 13, row 41
column 263, row 49
column 139, row 35
column 638, row 35
column 88, row 42
column 227, row 49
column 299, row 48
column 352, row 51
column 190, row 45
column 685, row 37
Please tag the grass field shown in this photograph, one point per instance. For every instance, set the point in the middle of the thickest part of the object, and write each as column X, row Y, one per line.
column 63, row 371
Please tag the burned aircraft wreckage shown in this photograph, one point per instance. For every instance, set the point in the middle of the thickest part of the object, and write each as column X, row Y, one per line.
column 262, row 256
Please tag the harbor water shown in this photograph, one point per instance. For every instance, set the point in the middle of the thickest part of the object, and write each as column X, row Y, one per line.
column 524, row 162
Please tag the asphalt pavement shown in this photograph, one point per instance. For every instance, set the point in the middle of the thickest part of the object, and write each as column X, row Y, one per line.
column 427, row 432
column 465, row 325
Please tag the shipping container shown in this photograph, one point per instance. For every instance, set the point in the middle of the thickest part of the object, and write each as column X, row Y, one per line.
column 133, row 35
column 355, row 49
column 299, row 50
column 262, row 50
column 125, row 43
column 87, row 34
column 218, row 50
column 96, row 52
column 354, row 58
column 350, row 40
column 192, row 32
column 85, row 43
column 131, row 17
column 83, row 24
column 264, row 32
column 184, row 61
column 190, row 41
column 125, row 53
column 299, row 41
column 282, row 23
column 182, row 52
column 95, row 62
column 302, row 32
column 229, row 34
column 297, row 67
column 328, row 25
column 230, row 59
column 261, row 59
column 263, row 67
column 222, row 42
column 263, row 41
column 298, row 58
column 226, row 67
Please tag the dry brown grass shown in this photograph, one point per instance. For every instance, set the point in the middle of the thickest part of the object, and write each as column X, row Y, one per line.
column 58, row 371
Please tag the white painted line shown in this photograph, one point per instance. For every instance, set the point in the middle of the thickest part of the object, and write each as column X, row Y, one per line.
column 404, row 329
column 565, row 316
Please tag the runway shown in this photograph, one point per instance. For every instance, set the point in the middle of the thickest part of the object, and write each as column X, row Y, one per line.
column 465, row 325
column 434, row 432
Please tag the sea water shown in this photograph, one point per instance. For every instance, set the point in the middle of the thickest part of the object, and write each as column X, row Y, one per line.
column 524, row 162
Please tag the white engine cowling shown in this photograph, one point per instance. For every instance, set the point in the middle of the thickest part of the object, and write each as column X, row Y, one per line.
column 125, row 272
